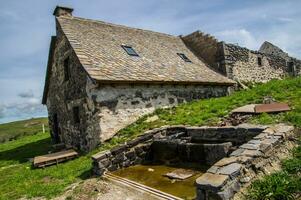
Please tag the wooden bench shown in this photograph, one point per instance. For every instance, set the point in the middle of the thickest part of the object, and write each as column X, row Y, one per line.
column 54, row 158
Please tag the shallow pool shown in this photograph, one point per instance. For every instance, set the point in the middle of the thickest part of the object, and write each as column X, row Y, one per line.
column 152, row 176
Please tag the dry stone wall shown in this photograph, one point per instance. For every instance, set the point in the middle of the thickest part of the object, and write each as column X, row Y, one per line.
column 243, row 65
column 175, row 144
column 227, row 176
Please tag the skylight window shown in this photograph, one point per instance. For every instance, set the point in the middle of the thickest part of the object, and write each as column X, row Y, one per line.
column 129, row 50
column 184, row 57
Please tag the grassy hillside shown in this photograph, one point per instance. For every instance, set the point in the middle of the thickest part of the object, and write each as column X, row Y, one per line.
column 14, row 130
column 18, row 179
column 210, row 111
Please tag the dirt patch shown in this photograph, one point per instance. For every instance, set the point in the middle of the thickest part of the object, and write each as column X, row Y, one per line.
column 101, row 189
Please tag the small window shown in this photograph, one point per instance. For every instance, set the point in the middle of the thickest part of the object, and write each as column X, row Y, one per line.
column 129, row 50
column 184, row 57
column 66, row 69
column 259, row 61
column 291, row 67
column 76, row 117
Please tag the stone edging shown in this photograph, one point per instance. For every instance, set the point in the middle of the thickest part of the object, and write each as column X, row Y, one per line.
column 225, row 177
column 131, row 153
column 135, row 151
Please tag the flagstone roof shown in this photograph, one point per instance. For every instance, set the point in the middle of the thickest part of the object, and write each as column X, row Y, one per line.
column 98, row 47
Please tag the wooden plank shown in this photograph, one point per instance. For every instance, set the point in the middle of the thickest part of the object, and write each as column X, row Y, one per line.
column 270, row 108
column 54, row 158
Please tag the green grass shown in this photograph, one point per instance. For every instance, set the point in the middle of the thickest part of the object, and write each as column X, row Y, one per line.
column 282, row 185
column 18, row 179
column 15, row 130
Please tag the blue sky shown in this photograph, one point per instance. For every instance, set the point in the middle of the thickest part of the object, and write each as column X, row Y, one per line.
column 26, row 27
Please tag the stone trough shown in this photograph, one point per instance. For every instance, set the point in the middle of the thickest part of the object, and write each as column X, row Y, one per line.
column 228, row 150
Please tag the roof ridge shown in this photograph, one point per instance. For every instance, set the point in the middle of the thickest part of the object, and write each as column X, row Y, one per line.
column 118, row 25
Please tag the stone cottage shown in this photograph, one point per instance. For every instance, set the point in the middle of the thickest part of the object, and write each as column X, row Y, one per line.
column 102, row 77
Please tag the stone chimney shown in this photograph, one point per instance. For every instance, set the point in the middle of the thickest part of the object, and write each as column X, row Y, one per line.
column 62, row 11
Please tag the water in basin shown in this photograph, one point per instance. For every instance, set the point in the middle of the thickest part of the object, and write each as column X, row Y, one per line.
column 152, row 176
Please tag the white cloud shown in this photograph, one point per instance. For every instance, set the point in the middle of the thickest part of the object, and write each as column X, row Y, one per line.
column 32, row 107
column 239, row 36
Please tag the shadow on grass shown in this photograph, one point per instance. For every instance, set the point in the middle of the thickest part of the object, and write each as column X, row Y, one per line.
column 86, row 174
column 30, row 150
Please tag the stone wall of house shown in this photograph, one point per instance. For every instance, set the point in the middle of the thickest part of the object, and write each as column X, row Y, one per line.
column 63, row 96
column 118, row 105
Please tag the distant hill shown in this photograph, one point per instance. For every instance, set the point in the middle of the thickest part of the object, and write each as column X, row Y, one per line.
column 17, row 129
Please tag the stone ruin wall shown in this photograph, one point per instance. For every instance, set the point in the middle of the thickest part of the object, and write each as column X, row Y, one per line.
column 239, row 63
column 242, row 64
column 118, row 105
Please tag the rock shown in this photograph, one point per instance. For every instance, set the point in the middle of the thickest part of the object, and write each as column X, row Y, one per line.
column 261, row 136
column 251, row 153
column 133, row 143
column 213, row 169
column 245, row 179
column 131, row 155
column 118, row 149
column 264, row 147
column 283, row 128
column 237, row 152
column 254, row 141
column 280, row 134
column 232, row 170
column 106, row 163
column 119, row 158
column 126, row 163
column 215, row 152
column 245, row 159
column 101, row 155
column 139, row 150
column 211, row 181
column 152, row 118
column 229, row 191
column 271, row 141
column 181, row 174
column 145, row 137
column 226, row 161
column 113, row 168
column 269, row 131
column 250, row 146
